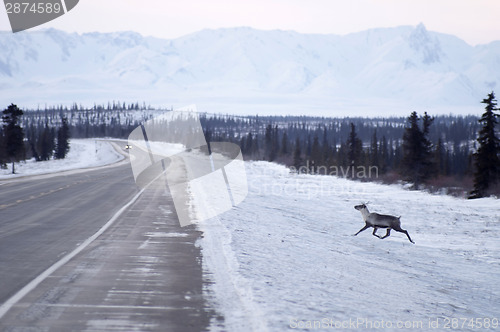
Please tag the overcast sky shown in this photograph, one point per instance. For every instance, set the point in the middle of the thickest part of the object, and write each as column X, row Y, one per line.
column 475, row 21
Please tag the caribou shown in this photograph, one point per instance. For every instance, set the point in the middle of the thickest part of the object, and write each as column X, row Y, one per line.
column 377, row 221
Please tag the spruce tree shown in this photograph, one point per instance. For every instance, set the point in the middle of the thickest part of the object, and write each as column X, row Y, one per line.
column 316, row 157
column 428, row 160
column 416, row 163
column 269, row 153
column 3, row 159
column 46, row 143
column 309, row 146
column 374, row 151
column 327, row 150
column 62, row 146
column 276, row 142
column 284, row 144
column 355, row 148
column 439, row 157
column 249, row 148
column 32, row 137
column 297, row 155
column 384, row 156
column 13, row 134
column 486, row 159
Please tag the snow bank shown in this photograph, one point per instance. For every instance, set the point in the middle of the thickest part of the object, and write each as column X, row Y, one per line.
column 83, row 153
column 286, row 258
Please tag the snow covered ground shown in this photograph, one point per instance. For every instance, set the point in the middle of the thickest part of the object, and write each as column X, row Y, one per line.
column 285, row 258
column 83, row 153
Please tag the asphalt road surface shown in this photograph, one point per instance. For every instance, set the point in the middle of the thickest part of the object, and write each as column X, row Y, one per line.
column 89, row 252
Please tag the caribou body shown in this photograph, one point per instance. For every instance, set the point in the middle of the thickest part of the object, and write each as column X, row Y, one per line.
column 377, row 221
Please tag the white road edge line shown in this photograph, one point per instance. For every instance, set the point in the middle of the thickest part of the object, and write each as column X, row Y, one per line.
column 5, row 307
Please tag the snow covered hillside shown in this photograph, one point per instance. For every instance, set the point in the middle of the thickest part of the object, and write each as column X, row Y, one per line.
column 246, row 71
column 83, row 153
column 286, row 258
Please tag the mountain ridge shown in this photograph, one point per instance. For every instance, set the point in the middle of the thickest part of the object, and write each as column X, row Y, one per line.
column 252, row 71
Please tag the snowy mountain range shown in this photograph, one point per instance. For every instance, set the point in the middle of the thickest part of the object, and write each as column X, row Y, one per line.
column 243, row 70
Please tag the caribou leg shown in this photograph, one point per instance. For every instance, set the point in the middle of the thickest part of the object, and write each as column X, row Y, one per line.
column 399, row 229
column 362, row 229
column 374, row 231
column 387, row 234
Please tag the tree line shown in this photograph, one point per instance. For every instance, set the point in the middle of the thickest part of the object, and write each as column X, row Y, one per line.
column 303, row 141
column 40, row 142
column 422, row 150
column 440, row 151
column 367, row 149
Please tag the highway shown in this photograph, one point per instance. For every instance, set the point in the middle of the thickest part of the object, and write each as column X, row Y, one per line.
column 87, row 251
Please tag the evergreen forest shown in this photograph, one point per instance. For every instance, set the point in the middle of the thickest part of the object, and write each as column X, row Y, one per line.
column 432, row 152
